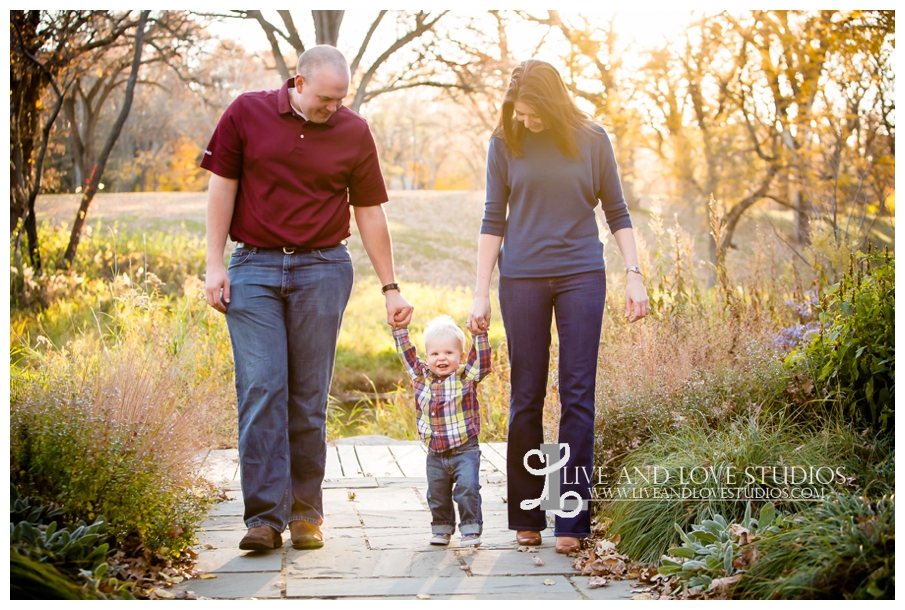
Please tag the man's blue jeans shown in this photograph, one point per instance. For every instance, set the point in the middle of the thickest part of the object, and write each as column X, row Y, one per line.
column 528, row 307
column 284, row 316
column 454, row 475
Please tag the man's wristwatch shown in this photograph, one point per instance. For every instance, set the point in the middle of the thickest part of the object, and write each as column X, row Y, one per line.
column 636, row 269
column 388, row 287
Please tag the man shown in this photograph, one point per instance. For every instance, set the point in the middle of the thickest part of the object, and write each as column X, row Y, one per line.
column 286, row 165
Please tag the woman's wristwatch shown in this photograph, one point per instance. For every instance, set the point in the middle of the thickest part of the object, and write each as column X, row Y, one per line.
column 388, row 287
column 635, row 269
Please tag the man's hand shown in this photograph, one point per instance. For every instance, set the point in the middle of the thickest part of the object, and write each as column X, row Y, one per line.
column 636, row 303
column 479, row 316
column 399, row 311
column 216, row 287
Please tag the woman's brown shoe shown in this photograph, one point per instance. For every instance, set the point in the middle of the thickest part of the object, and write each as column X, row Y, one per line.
column 567, row 544
column 528, row 538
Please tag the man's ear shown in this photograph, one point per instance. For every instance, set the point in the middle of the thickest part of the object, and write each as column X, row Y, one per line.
column 299, row 82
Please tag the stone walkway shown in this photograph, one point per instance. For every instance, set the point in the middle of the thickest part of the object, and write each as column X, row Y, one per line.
column 376, row 530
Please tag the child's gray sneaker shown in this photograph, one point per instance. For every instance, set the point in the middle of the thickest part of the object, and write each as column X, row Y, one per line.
column 471, row 540
column 441, row 539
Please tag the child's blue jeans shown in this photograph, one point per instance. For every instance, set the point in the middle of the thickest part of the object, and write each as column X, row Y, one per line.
column 454, row 475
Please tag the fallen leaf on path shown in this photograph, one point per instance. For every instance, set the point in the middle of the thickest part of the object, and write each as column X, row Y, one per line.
column 527, row 549
column 465, row 568
column 538, row 561
column 351, row 495
column 422, row 596
column 279, row 585
column 549, row 582
column 595, row 582
column 208, row 576
column 642, row 596
column 164, row 594
column 208, row 546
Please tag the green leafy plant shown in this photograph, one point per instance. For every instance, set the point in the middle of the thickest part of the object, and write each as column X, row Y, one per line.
column 852, row 359
column 59, row 562
column 842, row 547
column 716, row 552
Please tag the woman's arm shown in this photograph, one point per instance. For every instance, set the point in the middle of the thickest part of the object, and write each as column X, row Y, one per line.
column 488, row 253
column 636, row 303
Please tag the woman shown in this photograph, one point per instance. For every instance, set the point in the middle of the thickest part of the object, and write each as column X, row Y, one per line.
column 547, row 169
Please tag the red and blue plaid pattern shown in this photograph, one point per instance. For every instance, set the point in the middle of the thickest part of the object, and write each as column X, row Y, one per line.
column 447, row 407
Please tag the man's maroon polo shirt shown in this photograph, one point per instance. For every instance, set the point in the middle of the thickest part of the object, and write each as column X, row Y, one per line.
column 296, row 178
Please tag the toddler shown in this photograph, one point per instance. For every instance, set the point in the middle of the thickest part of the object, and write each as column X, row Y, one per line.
column 448, row 422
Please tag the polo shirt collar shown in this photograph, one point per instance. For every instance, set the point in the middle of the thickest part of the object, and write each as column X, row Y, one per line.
column 284, row 107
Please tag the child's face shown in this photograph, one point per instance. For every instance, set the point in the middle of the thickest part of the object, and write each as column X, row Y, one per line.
column 444, row 355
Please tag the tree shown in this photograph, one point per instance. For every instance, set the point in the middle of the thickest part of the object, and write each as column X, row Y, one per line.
column 371, row 76
column 168, row 35
column 45, row 51
column 93, row 181
column 745, row 111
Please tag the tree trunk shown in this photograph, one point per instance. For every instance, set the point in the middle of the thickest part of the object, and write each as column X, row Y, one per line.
column 98, row 171
column 802, row 216
column 326, row 26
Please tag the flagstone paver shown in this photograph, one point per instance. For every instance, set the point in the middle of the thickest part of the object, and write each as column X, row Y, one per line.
column 376, row 531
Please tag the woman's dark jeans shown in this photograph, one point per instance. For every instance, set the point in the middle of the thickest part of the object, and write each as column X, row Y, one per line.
column 528, row 307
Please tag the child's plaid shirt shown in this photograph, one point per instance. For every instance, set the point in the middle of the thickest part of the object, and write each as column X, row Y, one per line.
column 447, row 407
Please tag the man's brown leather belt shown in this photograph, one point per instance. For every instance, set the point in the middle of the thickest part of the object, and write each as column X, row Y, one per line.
column 283, row 249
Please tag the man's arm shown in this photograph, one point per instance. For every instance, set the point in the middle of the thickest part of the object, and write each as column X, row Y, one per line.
column 220, row 204
column 375, row 235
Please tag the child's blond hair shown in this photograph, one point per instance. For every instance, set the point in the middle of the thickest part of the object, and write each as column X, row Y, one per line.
column 443, row 326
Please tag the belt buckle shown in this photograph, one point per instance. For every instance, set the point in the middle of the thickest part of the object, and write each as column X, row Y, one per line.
column 288, row 249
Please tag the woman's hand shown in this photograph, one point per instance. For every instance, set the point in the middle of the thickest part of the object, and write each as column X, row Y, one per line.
column 636, row 304
column 479, row 316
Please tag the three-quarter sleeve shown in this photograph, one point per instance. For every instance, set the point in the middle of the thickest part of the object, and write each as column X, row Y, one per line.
column 497, row 200
column 610, row 195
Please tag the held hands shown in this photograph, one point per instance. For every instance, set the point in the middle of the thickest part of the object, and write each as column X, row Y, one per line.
column 216, row 287
column 479, row 316
column 636, row 304
column 399, row 311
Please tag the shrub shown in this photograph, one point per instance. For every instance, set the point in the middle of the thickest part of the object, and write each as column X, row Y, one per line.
column 112, row 432
column 842, row 547
column 852, row 358
column 670, row 374
column 748, row 444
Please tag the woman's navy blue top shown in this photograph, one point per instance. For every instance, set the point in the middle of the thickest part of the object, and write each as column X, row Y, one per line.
column 542, row 204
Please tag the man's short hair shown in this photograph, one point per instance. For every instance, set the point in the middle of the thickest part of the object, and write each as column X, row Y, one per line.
column 323, row 55
column 443, row 326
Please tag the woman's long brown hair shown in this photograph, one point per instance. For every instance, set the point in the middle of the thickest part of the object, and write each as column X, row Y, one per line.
column 539, row 85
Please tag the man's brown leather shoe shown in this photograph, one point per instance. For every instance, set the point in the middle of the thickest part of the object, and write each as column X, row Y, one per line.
column 528, row 538
column 305, row 535
column 261, row 538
